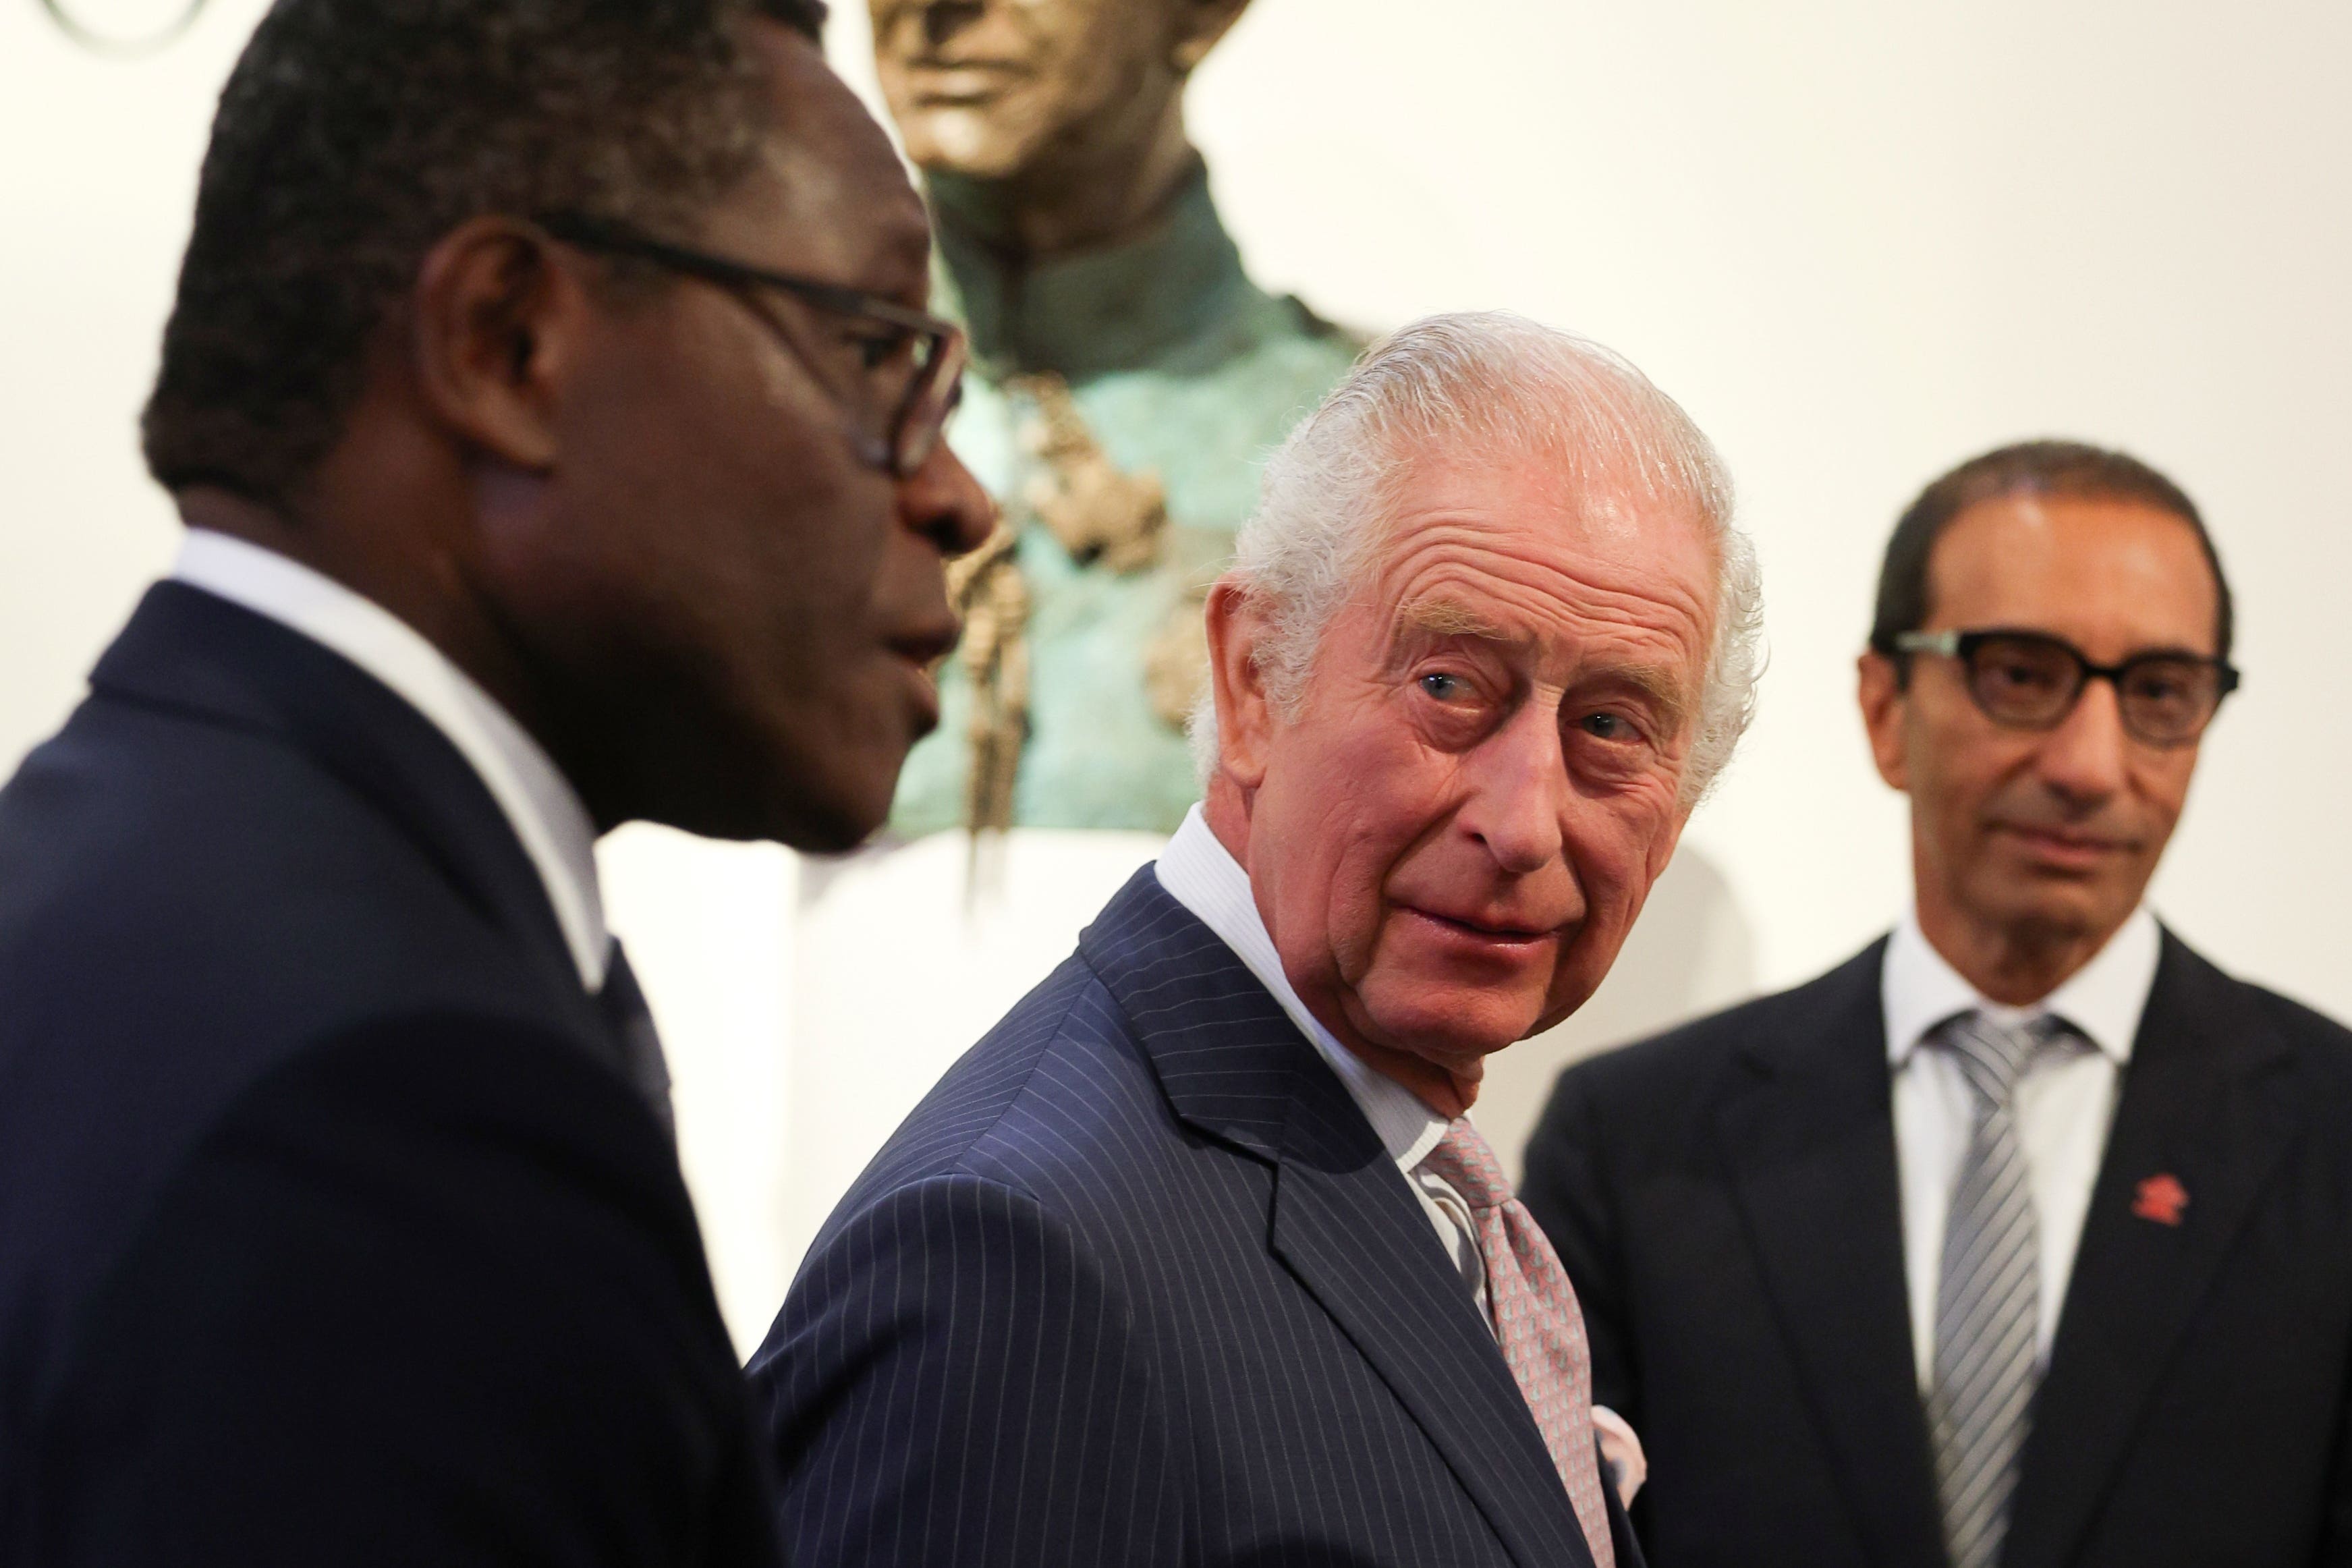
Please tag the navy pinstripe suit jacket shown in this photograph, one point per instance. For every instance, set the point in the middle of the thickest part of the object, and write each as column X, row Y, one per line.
column 1137, row 1284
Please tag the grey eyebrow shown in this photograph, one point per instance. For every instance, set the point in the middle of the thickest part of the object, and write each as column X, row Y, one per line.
column 1448, row 618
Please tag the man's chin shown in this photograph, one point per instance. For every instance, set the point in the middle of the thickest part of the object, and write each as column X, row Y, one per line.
column 2064, row 908
column 1457, row 1026
column 837, row 826
column 966, row 143
column 824, row 816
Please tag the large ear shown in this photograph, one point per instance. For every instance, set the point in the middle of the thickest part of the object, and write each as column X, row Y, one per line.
column 495, row 325
column 1885, row 705
column 1200, row 24
column 1237, row 630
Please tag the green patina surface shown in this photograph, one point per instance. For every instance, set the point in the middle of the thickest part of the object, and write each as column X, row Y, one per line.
column 1180, row 366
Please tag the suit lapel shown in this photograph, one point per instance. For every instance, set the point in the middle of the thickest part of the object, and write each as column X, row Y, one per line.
column 1808, row 1133
column 2209, row 1101
column 189, row 651
column 1351, row 1233
column 1343, row 1221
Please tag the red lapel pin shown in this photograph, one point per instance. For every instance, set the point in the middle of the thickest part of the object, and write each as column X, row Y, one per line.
column 2160, row 1198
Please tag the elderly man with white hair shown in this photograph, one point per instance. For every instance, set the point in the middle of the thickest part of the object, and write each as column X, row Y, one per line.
column 1198, row 1257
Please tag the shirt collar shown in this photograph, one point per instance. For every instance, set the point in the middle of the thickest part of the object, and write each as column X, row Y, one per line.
column 1174, row 295
column 539, row 802
column 1199, row 873
column 2102, row 1001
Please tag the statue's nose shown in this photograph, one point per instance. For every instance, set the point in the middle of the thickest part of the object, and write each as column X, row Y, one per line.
column 944, row 19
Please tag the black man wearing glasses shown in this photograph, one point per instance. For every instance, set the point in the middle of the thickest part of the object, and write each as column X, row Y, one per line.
column 2025, row 1238
column 552, row 407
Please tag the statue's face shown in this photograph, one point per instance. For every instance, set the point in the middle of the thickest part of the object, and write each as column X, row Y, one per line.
column 988, row 89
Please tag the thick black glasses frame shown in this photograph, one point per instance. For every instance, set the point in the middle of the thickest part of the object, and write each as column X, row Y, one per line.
column 939, row 337
column 1964, row 646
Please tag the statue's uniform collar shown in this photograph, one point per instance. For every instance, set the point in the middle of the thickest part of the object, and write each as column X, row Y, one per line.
column 1165, row 300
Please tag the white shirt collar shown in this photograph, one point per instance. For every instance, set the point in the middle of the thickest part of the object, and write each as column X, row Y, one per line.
column 1199, row 873
column 544, row 810
column 2102, row 1000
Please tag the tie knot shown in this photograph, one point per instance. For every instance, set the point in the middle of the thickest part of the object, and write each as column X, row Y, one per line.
column 1466, row 1163
column 1994, row 1055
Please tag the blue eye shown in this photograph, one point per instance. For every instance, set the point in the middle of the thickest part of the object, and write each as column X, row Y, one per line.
column 1442, row 686
column 1607, row 727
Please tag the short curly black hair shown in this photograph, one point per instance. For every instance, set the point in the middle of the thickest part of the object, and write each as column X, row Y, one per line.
column 354, row 133
column 2073, row 468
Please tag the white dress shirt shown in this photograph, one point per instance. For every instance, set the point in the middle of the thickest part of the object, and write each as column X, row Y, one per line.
column 1200, row 874
column 539, row 802
column 2066, row 1102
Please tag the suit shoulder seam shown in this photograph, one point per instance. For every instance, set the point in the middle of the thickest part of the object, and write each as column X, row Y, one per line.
column 965, row 1161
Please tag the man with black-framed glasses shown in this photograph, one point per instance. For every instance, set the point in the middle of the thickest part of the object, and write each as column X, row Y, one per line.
column 553, row 408
column 2021, row 1238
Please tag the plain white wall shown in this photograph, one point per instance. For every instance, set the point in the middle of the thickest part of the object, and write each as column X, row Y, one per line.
column 1859, row 241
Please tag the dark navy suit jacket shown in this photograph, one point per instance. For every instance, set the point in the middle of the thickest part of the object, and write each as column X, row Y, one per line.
column 329, row 1232
column 1726, row 1199
column 1137, row 1285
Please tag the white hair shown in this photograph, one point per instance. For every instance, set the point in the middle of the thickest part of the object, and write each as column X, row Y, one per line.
column 1506, row 385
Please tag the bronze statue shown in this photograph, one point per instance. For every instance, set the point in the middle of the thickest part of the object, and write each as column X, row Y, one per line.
column 1130, row 378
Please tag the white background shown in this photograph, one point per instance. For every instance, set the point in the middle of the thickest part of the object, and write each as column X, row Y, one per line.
column 1858, row 240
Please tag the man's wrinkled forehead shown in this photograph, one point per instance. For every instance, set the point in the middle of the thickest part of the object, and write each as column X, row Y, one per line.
column 1608, row 512
column 1557, row 522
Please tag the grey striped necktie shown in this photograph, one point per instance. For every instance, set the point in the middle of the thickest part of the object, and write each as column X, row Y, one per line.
column 1987, row 1295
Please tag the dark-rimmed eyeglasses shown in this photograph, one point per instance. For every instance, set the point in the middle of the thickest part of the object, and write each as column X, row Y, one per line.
column 2031, row 680
column 912, row 362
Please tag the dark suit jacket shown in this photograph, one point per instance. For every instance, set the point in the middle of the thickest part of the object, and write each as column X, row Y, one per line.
column 1726, row 1201
column 329, row 1231
column 1138, row 1285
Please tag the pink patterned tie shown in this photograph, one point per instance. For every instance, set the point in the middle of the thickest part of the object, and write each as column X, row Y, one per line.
column 1536, row 1320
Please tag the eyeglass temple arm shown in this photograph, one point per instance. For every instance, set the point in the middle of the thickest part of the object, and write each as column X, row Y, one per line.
column 1944, row 642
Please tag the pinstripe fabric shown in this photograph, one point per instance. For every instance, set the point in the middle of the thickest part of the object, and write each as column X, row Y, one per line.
column 1986, row 1297
column 1137, row 1284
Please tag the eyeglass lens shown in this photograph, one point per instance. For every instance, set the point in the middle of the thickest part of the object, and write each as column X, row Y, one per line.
column 2034, row 682
column 904, row 399
column 923, row 411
